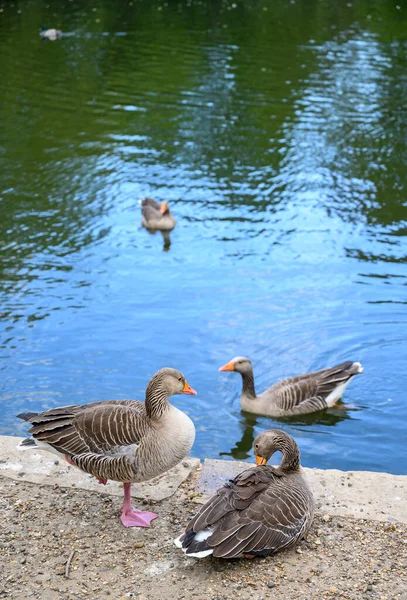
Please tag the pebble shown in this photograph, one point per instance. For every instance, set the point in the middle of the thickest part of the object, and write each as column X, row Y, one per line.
column 271, row 584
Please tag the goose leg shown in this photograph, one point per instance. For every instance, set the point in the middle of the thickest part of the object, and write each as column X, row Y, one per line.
column 131, row 517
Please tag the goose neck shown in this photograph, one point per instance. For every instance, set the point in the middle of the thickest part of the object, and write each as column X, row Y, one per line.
column 156, row 401
column 248, row 385
column 291, row 455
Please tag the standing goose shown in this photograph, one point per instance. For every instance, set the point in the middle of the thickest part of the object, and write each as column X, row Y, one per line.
column 123, row 440
column 157, row 216
column 297, row 395
column 261, row 511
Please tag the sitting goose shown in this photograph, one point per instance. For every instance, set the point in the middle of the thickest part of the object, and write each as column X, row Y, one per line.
column 123, row 440
column 297, row 395
column 157, row 216
column 263, row 510
column 50, row 34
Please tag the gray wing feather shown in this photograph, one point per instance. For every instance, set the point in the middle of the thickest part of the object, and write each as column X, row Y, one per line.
column 118, row 468
column 308, row 392
column 150, row 209
column 98, row 428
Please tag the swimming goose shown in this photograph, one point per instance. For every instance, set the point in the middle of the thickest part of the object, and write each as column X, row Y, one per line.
column 297, row 395
column 157, row 216
column 50, row 34
column 123, row 440
column 263, row 510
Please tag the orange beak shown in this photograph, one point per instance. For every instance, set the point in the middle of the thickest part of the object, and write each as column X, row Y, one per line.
column 260, row 460
column 188, row 390
column 230, row 366
column 163, row 207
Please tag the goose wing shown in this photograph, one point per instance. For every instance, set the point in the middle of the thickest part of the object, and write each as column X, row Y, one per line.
column 150, row 209
column 256, row 513
column 312, row 388
column 102, row 428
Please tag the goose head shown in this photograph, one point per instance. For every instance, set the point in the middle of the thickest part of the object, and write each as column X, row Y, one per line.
column 164, row 208
column 241, row 364
column 271, row 441
column 170, row 382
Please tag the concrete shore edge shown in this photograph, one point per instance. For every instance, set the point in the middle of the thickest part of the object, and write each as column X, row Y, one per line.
column 358, row 494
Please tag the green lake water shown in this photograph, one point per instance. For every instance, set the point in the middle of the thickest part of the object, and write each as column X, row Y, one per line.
column 277, row 131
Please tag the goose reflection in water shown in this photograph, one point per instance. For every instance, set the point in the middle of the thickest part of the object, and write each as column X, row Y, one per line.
column 166, row 238
column 329, row 418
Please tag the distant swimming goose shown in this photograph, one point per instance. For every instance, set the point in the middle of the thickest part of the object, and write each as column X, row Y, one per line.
column 297, row 395
column 50, row 34
column 261, row 511
column 157, row 216
column 123, row 440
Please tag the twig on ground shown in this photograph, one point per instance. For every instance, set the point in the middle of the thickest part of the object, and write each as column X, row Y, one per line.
column 68, row 563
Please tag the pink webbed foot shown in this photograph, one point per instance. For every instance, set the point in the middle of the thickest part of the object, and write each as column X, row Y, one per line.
column 137, row 518
column 101, row 480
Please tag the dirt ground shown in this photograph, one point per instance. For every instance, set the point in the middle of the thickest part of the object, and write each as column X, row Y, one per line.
column 42, row 527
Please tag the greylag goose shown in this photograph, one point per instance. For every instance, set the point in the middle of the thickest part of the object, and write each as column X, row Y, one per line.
column 50, row 34
column 263, row 510
column 156, row 216
column 123, row 440
column 297, row 395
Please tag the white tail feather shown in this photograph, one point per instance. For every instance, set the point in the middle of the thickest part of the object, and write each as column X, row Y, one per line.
column 201, row 554
column 201, row 536
column 37, row 445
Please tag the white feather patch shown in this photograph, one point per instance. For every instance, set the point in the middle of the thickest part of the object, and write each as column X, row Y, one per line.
column 337, row 393
column 201, row 554
column 41, row 446
column 203, row 535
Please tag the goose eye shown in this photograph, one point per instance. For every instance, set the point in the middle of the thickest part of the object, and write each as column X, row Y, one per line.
column 179, row 378
column 256, row 446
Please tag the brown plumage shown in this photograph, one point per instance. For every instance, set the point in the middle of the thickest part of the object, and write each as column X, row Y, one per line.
column 157, row 216
column 295, row 396
column 263, row 510
column 123, row 440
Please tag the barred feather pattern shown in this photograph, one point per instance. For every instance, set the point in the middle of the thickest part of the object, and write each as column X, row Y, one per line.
column 263, row 510
column 117, row 468
column 297, row 395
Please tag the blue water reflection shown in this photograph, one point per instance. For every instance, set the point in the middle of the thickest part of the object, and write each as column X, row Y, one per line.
column 282, row 155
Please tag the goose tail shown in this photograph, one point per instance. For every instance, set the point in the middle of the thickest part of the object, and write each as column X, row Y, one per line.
column 333, row 382
column 27, row 444
column 355, row 368
column 195, row 544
